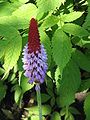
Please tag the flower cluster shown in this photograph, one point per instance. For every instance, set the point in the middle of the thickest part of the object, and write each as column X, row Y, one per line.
column 34, row 56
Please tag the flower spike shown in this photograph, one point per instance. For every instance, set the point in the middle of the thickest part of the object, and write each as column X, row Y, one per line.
column 34, row 56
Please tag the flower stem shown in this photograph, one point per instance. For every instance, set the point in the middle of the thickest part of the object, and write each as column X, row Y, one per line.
column 39, row 101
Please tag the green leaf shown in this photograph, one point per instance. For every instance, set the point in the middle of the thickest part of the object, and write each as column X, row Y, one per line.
column 85, row 84
column 17, row 94
column 52, row 101
column 74, row 29
column 20, row 18
column 87, row 107
column 63, row 111
column 24, row 13
column 1, row 71
column 45, row 97
column 71, row 16
column 55, row 116
column 7, row 8
column 46, row 109
column 25, row 85
column 69, row 117
column 14, row 46
column 81, row 60
column 61, row 48
column 74, row 111
column 36, row 117
column 47, row 44
column 46, row 5
column 86, row 24
column 57, row 78
column 23, row 1
column 3, row 45
column 3, row 90
column 69, row 84
column 50, row 21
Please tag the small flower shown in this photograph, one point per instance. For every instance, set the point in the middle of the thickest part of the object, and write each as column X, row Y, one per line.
column 34, row 56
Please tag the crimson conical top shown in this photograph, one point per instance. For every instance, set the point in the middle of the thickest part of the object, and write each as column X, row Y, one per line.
column 33, row 37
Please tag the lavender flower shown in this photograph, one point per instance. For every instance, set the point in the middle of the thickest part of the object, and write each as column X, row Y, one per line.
column 34, row 56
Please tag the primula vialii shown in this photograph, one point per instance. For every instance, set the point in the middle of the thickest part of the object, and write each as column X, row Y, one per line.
column 34, row 56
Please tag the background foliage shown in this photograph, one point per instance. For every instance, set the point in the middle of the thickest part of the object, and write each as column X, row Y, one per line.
column 64, row 27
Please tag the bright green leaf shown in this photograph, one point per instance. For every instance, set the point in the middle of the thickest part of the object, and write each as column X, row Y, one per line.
column 46, row 5
column 17, row 94
column 57, row 78
column 14, row 45
column 36, row 117
column 46, row 109
column 7, row 8
column 61, row 48
column 24, row 13
column 71, row 16
column 23, row 1
column 74, row 29
column 20, row 18
column 50, row 21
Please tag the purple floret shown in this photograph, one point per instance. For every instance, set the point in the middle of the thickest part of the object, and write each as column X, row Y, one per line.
column 35, row 64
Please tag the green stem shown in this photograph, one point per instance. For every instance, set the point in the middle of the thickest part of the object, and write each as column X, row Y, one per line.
column 39, row 103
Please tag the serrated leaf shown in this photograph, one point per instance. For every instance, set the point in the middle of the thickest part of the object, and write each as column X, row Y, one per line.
column 25, row 13
column 20, row 18
column 55, row 116
column 69, row 84
column 3, row 90
column 57, row 78
column 45, row 40
column 46, row 109
column 81, row 60
column 50, row 21
column 25, row 85
column 74, row 29
column 61, row 48
column 87, row 107
column 71, row 16
column 48, row 5
column 14, row 46
column 3, row 45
